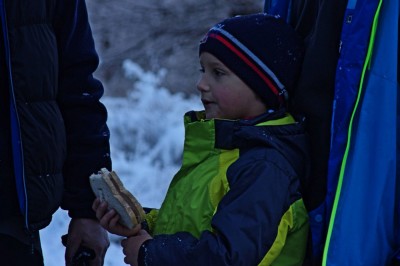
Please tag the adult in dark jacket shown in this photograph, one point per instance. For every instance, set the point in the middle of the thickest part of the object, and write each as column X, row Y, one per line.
column 53, row 131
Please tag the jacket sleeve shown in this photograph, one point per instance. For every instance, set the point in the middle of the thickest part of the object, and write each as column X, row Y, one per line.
column 244, row 225
column 78, row 97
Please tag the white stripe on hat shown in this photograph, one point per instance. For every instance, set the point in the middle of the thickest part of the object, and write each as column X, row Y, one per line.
column 252, row 56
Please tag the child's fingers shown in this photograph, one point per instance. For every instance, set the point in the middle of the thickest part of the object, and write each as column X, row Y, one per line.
column 96, row 204
column 114, row 220
column 106, row 217
column 137, row 229
column 101, row 210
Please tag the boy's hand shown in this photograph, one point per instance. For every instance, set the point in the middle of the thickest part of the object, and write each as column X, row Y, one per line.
column 109, row 220
column 131, row 246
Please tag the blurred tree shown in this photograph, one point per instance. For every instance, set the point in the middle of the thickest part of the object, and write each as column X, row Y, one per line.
column 156, row 34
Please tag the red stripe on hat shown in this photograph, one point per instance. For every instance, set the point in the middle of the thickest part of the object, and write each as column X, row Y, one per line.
column 248, row 62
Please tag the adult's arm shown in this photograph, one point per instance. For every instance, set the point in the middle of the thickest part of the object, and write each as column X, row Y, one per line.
column 78, row 97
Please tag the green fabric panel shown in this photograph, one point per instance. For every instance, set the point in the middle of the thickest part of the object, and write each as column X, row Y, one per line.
column 219, row 184
column 288, row 119
column 151, row 219
column 188, row 206
column 291, row 241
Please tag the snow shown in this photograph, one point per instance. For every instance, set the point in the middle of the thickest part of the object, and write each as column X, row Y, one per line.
column 146, row 147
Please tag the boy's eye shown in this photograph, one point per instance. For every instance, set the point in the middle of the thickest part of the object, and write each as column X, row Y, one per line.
column 201, row 69
column 217, row 72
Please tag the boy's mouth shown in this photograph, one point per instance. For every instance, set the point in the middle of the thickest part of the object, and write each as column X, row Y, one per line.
column 205, row 102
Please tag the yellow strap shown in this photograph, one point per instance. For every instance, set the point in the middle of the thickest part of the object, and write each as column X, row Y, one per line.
column 288, row 119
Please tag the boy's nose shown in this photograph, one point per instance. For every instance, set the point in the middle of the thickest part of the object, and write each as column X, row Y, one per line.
column 202, row 84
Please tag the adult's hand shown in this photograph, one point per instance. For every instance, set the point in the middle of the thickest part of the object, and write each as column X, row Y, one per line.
column 88, row 233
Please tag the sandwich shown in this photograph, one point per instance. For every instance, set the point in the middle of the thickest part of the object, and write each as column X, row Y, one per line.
column 107, row 186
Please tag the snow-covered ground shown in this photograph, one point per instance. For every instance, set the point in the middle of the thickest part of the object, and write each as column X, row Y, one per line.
column 146, row 146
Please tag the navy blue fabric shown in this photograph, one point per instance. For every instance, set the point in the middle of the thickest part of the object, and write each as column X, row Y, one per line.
column 55, row 107
column 319, row 22
column 78, row 98
column 14, row 126
column 16, row 253
column 5, row 140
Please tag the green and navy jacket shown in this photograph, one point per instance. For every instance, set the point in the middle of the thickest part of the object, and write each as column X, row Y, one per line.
column 236, row 199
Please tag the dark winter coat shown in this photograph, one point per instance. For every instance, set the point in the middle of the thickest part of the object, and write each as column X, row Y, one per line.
column 52, row 126
column 237, row 198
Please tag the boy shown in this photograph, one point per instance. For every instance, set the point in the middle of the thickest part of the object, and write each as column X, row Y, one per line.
column 236, row 199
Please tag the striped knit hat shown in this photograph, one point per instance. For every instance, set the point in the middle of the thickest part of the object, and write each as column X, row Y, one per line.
column 260, row 49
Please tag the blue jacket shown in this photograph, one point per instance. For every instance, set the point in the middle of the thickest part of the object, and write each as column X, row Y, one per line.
column 361, row 207
column 55, row 127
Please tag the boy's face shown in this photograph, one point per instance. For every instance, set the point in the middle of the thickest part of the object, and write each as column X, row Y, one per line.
column 225, row 95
